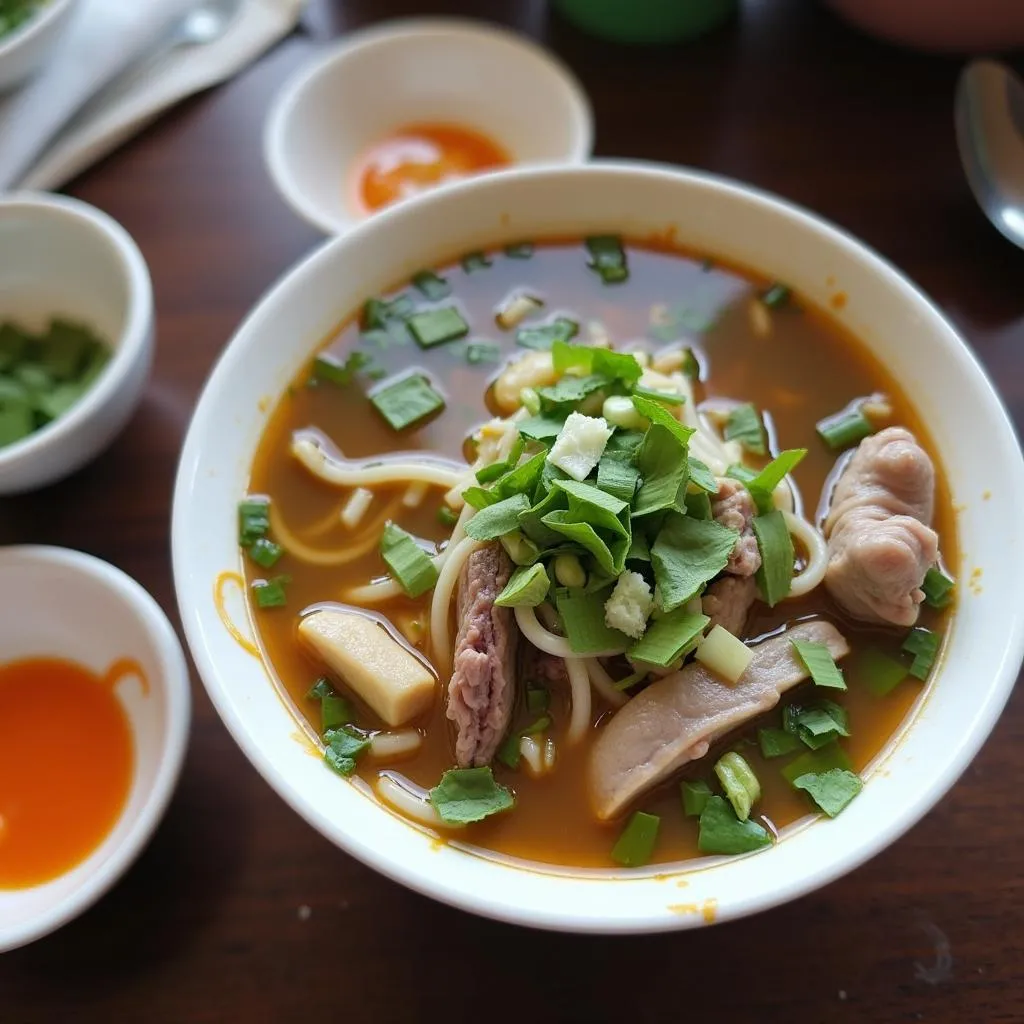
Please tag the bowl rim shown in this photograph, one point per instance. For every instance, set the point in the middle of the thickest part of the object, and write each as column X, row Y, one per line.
column 288, row 102
column 996, row 695
column 127, row 348
column 35, row 25
column 175, row 679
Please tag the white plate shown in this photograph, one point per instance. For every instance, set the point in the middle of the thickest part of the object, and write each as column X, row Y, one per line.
column 900, row 326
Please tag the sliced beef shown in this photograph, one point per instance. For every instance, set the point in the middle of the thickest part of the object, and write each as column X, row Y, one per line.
column 481, row 693
column 676, row 719
column 733, row 506
column 539, row 666
column 880, row 541
column 727, row 600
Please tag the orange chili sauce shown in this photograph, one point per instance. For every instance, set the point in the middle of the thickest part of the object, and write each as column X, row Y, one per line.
column 417, row 157
column 66, row 764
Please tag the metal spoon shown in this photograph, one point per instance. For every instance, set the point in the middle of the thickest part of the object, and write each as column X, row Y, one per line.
column 989, row 114
column 200, row 26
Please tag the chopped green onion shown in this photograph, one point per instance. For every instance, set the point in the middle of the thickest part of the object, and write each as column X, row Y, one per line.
column 744, row 425
column 776, row 295
column 636, row 844
column 465, row 795
column 519, row 548
column 265, row 553
column 569, row 572
column 320, row 689
column 880, row 672
column 627, row 682
column 344, row 748
column 436, row 326
column 527, row 588
column 739, row 782
column 695, row 796
column 665, row 397
column 431, row 285
column 723, row 833
column 406, row 401
column 446, row 517
column 817, row 762
column 777, row 742
column 380, row 314
column 408, row 562
column 537, row 700
column 542, row 723
column 923, row 644
column 607, row 258
column 474, row 261
column 817, row 659
column 687, row 554
column 775, row 576
column 530, row 401
column 845, row 428
column 253, row 520
column 816, row 724
column 482, row 352
column 938, row 588
column 270, row 593
column 669, row 638
column 327, row 368
column 502, row 517
column 509, row 753
column 335, row 711
column 519, row 250
column 543, row 336
column 582, row 617
column 762, row 485
column 831, row 790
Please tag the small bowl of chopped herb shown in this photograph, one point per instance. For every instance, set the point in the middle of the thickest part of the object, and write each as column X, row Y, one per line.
column 29, row 29
column 76, row 336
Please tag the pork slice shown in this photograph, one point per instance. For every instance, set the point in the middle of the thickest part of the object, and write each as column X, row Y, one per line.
column 481, row 692
column 880, row 541
column 676, row 719
column 728, row 600
column 733, row 506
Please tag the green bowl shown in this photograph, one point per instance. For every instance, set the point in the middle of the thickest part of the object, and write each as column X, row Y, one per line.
column 646, row 21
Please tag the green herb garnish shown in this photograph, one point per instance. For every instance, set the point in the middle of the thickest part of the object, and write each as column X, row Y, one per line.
column 407, row 401
column 465, row 795
column 636, row 844
column 408, row 562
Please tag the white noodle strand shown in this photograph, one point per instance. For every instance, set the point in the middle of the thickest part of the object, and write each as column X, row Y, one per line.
column 817, row 554
column 526, row 618
column 409, row 803
column 442, row 599
column 604, row 684
column 579, row 681
column 387, row 746
column 532, row 755
column 348, row 474
column 359, row 501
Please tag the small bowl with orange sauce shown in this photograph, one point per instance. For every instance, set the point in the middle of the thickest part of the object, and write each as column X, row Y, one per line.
column 94, row 717
column 404, row 108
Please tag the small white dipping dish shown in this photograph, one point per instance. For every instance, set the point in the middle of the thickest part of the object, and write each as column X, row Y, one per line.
column 25, row 49
column 422, row 71
column 74, row 606
column 62, row 257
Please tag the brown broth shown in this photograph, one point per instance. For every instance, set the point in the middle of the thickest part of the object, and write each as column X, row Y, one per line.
column 806, row 369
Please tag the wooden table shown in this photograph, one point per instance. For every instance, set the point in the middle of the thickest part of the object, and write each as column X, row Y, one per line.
column 238, row 910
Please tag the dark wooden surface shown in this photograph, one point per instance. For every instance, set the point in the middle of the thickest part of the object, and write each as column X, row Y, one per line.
column 208, row 925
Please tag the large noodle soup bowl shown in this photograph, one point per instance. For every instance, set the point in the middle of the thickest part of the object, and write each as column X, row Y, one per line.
column 897, row 322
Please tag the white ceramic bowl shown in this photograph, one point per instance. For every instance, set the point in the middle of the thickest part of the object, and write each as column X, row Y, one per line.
column 25, row 49
column 71, row 605
column 900, row 326
column 62, row 257
column 435, row 70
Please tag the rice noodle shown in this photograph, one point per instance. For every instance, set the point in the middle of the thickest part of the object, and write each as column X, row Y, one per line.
column 817, row 554
column 604, row 684
column 441, row 601
column 531, row 753
column 386, row 746
column 579, row 682
column 343, row 473
column 356, row 507
column 402, row 797
column 367, row 541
